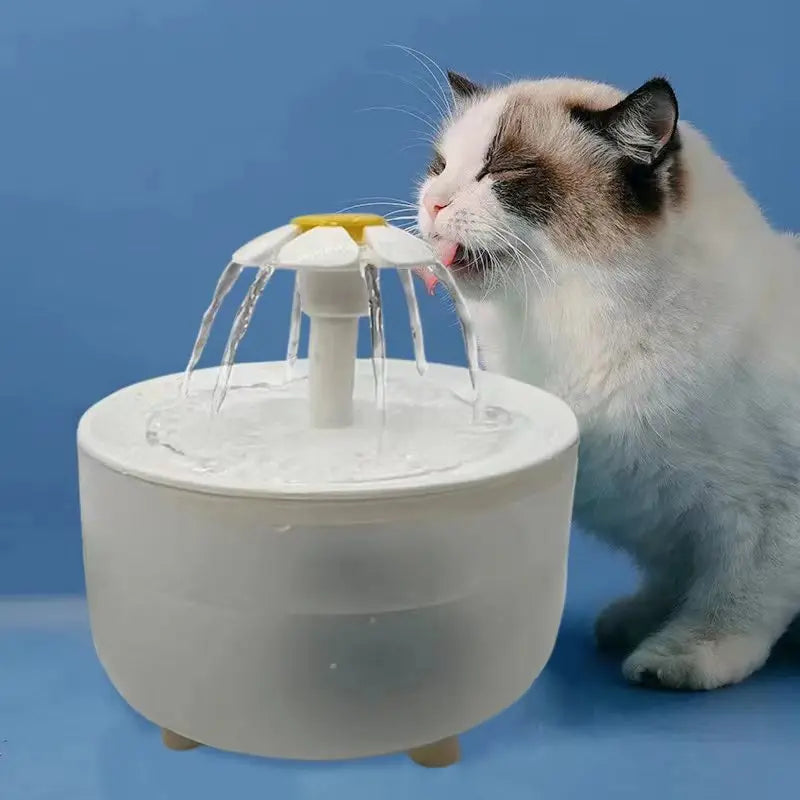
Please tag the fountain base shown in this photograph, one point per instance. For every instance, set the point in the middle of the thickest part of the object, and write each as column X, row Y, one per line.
column 329, row 620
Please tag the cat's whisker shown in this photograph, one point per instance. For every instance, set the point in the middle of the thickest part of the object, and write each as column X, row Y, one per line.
column 499, row 273
column 523, row 264
column 396, row 220
column 489, row 280
column 427, row 62
column 506, row 231
column 540, row 269
column 498, row 231
column 442, row 110
column 525, row 294
column 403, row 210
column 424, row 136
column 377, row 204
column 426, row 145
column 428, row 123
column 381, row 198
column 537, row 268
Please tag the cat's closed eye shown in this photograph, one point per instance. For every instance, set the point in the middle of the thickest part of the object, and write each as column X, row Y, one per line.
column 499, row 169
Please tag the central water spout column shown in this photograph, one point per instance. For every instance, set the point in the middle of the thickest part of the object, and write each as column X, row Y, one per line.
column 333, row 301
column 333, row 294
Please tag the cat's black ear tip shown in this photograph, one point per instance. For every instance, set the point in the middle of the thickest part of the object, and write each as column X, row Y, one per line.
column 660, row 85
column 660, row 82
column 658, row 100
column 462, row 87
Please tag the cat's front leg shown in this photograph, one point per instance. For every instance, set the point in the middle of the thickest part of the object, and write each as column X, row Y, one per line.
column 624, row 624
column 738, row 607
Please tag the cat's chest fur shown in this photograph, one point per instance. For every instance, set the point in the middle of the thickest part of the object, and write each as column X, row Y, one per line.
column 575, row 342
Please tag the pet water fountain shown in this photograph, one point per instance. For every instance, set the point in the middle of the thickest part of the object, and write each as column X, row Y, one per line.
column 326, row 558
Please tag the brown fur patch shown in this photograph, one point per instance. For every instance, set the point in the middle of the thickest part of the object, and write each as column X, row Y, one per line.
column 553, row 171
column 437, row 164
column 525, row 179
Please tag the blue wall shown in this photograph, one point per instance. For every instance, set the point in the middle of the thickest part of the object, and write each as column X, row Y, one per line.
column 143, row 139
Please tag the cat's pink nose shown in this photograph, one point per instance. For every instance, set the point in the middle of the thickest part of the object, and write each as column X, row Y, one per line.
column 433, row 205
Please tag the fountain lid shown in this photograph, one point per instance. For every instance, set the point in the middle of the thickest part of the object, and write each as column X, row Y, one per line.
column 338, row 242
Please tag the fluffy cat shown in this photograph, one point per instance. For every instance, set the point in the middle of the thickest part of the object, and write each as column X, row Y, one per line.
column 611, row 257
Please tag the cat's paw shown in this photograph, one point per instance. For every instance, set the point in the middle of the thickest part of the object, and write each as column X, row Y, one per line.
column 685, row 661
column 624, row 624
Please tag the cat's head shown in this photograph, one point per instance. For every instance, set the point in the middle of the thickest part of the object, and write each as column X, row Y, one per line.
column 549, row 169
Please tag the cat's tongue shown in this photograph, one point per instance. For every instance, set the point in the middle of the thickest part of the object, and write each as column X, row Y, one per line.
column 446, row 251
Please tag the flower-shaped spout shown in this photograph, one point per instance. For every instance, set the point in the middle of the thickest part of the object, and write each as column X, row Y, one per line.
column 337, row 259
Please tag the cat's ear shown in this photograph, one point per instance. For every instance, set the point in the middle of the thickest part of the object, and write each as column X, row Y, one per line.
column 643, row 124
column 463, row 88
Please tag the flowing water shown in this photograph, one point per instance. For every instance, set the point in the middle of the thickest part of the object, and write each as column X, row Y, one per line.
column 240, row 325
column 467, row 325
column 225, row 283
column 414, row 320
column 372, row 278
column 244, row 315
column 295, row 323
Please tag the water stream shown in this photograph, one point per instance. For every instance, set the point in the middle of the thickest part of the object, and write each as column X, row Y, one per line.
column 295, row 324
column 377, row 336
column 240, row 325
column 414, row 320
column 467, row 325
column 225, row 283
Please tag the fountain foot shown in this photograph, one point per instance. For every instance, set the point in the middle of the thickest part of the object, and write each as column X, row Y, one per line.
column 174, row 741
column 443, row 753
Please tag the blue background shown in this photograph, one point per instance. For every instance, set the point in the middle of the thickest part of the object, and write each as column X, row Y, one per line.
column 140, row 142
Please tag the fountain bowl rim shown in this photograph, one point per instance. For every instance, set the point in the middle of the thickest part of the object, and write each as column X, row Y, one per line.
column 513, row 477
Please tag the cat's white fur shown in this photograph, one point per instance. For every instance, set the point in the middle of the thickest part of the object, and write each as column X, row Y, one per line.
column 681, row 357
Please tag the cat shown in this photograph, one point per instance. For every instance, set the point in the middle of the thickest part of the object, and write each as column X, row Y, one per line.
column 611, row 257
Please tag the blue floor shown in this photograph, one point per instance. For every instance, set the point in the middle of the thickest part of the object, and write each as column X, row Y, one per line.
column 580, row 732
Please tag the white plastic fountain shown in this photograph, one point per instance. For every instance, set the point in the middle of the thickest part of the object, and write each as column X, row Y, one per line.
column 335, row 564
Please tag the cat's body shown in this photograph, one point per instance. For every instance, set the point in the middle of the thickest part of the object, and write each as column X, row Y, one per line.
column 643, row 286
